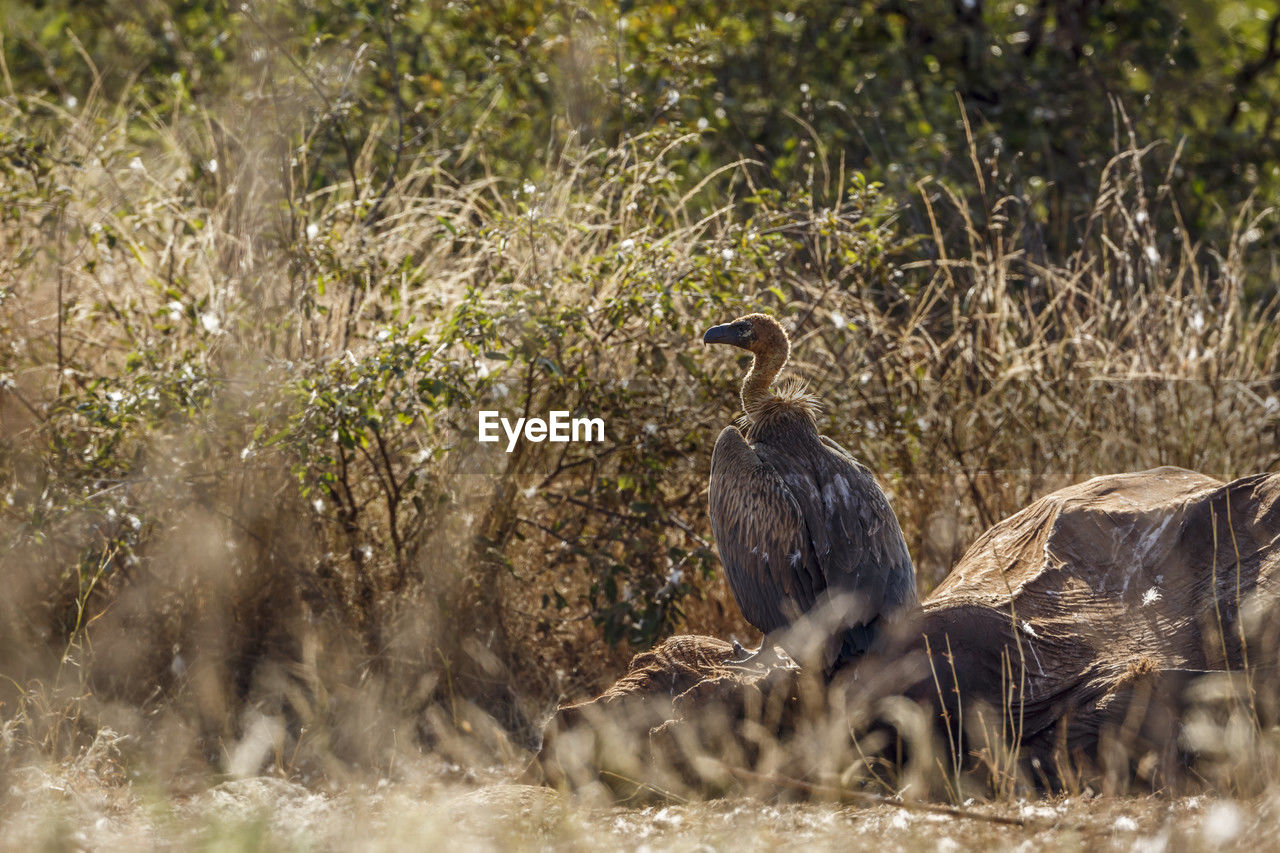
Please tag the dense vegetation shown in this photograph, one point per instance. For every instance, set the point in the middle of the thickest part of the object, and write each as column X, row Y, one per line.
column 261, row 265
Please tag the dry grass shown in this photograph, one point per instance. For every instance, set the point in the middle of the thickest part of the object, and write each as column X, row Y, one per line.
column 221, row 543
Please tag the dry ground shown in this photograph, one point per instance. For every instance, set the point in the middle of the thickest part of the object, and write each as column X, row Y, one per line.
column 54, row 811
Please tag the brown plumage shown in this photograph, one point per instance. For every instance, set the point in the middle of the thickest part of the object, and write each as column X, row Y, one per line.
column 807, row 537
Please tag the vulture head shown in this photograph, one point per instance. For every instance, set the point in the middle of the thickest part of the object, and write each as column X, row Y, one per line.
column 765, row 339
column 759, row 334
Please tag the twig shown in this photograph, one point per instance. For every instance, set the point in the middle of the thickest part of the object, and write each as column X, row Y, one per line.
column 644, row 786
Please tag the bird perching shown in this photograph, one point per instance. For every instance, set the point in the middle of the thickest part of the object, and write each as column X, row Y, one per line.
column 812, row 550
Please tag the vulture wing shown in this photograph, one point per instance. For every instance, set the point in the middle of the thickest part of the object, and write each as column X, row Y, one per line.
column 761, row 535
column 868, row 551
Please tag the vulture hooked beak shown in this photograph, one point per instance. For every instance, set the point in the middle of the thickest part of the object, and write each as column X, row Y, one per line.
column 735, row 334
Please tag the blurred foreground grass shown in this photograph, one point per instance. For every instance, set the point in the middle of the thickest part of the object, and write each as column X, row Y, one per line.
column 62, row 812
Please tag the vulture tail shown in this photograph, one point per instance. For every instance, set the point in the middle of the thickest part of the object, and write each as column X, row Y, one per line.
column 854, row 643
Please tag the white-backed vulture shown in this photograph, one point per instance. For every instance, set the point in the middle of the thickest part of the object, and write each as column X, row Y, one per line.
column 806, row 535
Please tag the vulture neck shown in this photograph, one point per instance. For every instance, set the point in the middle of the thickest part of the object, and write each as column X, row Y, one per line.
column 764, row 369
